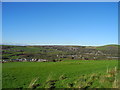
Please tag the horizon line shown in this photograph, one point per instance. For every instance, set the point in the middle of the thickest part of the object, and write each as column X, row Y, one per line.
column 55, row 44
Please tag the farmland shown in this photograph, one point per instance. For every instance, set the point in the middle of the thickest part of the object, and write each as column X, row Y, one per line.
column 64, row 74
column 59, row 66
column 57, row 53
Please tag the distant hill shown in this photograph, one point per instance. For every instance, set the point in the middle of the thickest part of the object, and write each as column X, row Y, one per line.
column 107, row 47
column 56, row 52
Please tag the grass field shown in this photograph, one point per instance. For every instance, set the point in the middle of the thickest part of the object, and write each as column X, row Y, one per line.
column 65, row 74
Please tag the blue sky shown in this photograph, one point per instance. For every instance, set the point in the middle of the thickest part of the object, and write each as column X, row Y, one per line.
column 0, row 23
column 69, row 23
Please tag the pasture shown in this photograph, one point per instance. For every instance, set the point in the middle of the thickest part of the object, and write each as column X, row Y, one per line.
column 65, row 74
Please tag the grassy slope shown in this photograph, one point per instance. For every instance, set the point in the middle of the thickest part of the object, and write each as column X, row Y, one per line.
column 108, row 47
column 12, row 52
column 20, row 74
column 36, row 51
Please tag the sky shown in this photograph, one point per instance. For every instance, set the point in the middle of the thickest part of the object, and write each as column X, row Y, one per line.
column 60, row 23
column 60, row 0
column 0, row 22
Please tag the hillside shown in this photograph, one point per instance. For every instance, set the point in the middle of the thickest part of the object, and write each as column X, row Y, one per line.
column 56, row 53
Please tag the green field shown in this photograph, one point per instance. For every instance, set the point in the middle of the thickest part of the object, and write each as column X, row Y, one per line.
column 65, row 74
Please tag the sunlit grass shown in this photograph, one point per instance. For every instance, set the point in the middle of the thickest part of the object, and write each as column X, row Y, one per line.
column 65, row 74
